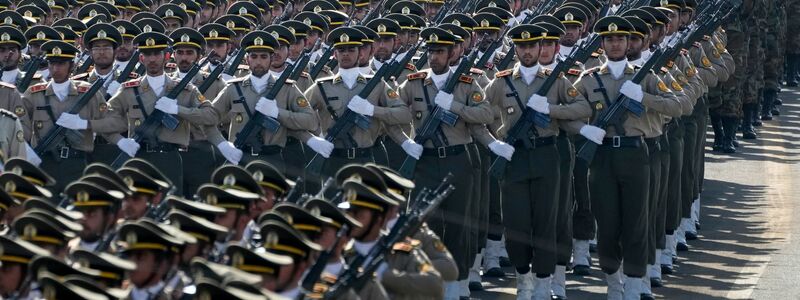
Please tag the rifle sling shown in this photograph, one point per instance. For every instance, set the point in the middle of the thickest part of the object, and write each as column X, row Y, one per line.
column 519, row 103
column 441, row 140
column 333, row 114
column 602, row 89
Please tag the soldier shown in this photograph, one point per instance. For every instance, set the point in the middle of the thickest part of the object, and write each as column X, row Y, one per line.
column 99, row 206
column 23, row 184
column 115, row 270
column 774, row 59
column 174, row 16
column 147, row 192
column 275, row 271
column 217, row 49
column 289, row 108
column 15, row 257
column 792, row 44
column 206, row 233
column 326, row 209
column 319, row 28
column 46, row 230
column 616, row 211
column 265, row 186
column 332, row 96
column 124, row 50
column 131, row 107
column 285, row 241
column 236, row 217
column 12, row 41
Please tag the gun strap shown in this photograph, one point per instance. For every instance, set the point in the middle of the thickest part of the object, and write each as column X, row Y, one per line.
column 139, row 101
column 602, row 89
column 49, row 109
column 441, row 139
column 242, row 100
column 332, row 112
column 522, row 107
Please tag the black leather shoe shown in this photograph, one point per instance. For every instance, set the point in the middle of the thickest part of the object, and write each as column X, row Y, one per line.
column 656, row 282
column 581, row 270
column 691, row 236
column 505, row 262
column 647, row 297
column 682, row 247
column 475, row 286
column 494, row 272
column 554, row 297
column 667, row 269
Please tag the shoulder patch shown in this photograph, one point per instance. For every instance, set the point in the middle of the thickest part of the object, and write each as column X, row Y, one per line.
column 131, row 83
column 411, row 67
column 504, row 73
column 477, row 97
column 82, row 88
column 418, row 75
column 592, row 70
column 595, row 54
column 133, row 75
column 574, row 72
column 664, row 70
column 600, row 51
column 80, row 76
column 8, row 85
column 289, row 81
column 707, row 37
column 38, row 87
column 476, row 71
column 684, row 52
column 305, row 74
column 465, row 79
column 548, row 72
column 698, row 45
column 171, row 65
column 489, row 65
column 37, row 76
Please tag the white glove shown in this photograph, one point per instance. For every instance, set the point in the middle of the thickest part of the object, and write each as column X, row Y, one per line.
column 412, row 148
column 539, row 103
column 129, row 146
column 632, row 90
column 502, row 149
column 225, row 77
column 32, row 156
column 321, row 146
column 72, row 121
column 444, row 100
column 267, row 107
column 593, row 133
column 230, row 152
column 167, row 105
column 361, row 106
column 113, row 87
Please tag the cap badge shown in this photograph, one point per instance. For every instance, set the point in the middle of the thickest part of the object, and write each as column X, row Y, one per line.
column 271, row 239
column 381, row 28
column 82, row 196
column 258, row 41
column 317, row 9
column 612, row 27
column 8, row 21
column 150, row 42
column 406, row 10
column 185, row 38
column 258, row 176
column 230, row 24
column 211, row 199
column 307, row 21
column 29, row 231
column 485, row 23
column 40, row 35
column 344, row 38
column 229, row 180
column 169, row 13
column 242, row 10
column 434, row 38
column 102, row 34
column 92, row 13
column 213, row 33
column 56, row 51
column 147, row 28
column 525, row 35
column 569, row 17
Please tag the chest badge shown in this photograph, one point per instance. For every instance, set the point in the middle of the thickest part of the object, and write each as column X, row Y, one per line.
column 137, row 122
column 510, row 110
column 572, row 92
column 598, row 106
column 239, row 118
column 418, row 115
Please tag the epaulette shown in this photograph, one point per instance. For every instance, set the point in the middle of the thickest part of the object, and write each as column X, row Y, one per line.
column 305, row 74
column 698, row 45
column 592, row 70
column 37, row 76
column 600, row 51
column 8, row 114
column 707, row 37
column 418, row 75
column 403, row 247
column 465, row 79
column 411, row 67
column 595, row 54
column 670, row 64
column 80, row 76
column 244, row 67
column 489, row 65
column 548, row 72
column 38, row 87
column 82, row 87
column 289, row 81
column 575, row 72
column 237, row 79
column 476, row 71
column 664, row 70
column 684, row 51
column 131, row 83
column 133, row 75
column 504, row 73
column 8, row 85
column 171, row 65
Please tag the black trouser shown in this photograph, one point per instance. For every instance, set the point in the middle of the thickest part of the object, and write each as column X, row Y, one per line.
column 583, row 224
column 566, row 204
column 395, row 154
column 480, row 203
column 701, row 117
column 689, row 171
column 449, row 221
column 341, row 157
column 495, row 229
column 199, row 162
column 272, row 155
column 65, row 166
column 619, row 180
column 530, row 186
column 663, row 192
column 653, row 196
column 675, row 181
column 294, row 156
column 104, row 152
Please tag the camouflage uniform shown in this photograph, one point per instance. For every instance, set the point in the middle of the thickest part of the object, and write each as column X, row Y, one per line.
column 773, row 66
column 756, row 25
column 730, row 111
column 792, row 41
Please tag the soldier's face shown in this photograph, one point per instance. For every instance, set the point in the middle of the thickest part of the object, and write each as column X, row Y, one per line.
column 485, row 38
column 134, row 207
column 279, row 56
column 674, row 21
column 327, row 238
column 153, row 61
column 571, row 35
column 185, row 57
column 127, row 14
column 220, row 50
column 277, row 11
column 125, row 50
column 172, row 24
column 57, row 14
column 635, row 46
column 296, row 49
column 35, row 49
column 383, row 48
column 431, row 10
column 616, row 47
column 528, row 53
column 102, row 54
column 548, row 51
column 458, row 50
column 227, row 220
column 364, row 55
column 347, row 56
column 94, row 224
column 313, row 36
column 438, row 58
column 205, row 15
column 259, row 62
column 686, row 17
column 9, row 56
column 10, row 277
column 60, row 70
column 146, row 265
column 402, row 39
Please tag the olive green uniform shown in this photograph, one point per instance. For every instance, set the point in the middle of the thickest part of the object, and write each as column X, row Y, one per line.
column 12, row 136
column 105, row 152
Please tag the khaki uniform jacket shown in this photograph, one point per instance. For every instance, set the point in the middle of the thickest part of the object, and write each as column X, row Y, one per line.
column 437, row 253
column 705, row 69
column 468, row 103
column 390, row 111
column 715, row 57
column 657, row 119
column 410, row 274
column 91, row 77
column 295, row 113
column 12, row 136
column 565, row 101
column 685, row 64
column 657, row 97
column 198, row 134
column 125, row 114
column 37, row 97
column 11, row 100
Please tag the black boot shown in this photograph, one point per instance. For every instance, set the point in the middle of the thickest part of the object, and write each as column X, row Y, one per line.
column 748, row 132
column 791, row 70
column 716, row 124
column 766, row 105
column 728, row 134
column 756, row 112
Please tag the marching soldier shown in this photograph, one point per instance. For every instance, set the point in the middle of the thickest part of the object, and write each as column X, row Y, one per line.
column 124, row 50
column 206, row 233
column 115, row 270
column 236, row 204
column 23, row 183
column 147, row 192
column 46, row 230
column 99, row 206
column 285, row 241
column 16, row 255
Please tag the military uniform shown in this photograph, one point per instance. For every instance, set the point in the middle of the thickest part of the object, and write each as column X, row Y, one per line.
column 12, row 142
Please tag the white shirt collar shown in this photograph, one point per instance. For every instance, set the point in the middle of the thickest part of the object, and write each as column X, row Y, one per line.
column 334, row 268
column 364, row 247
column 259, row 83
column 377, row 63
column 157, row 83
column 529, row 73
column 646, row 54
column 94, row 72
column 291, row 294
column 617, row 67
column 276, row 74
column 441, row 79
column 349, row 76
column 146, row 293
column 638, row 62
column 61, row 89
column 551, row 66
column 45, row 74
column 365, row 70
column 10, row 76
column 565, row 50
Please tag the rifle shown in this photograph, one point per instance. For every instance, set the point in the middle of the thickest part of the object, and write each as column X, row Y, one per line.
column 315, row 272
column 249, row 133
column 348, row 119
column 397, row 66
column 320, row 64
column 30, row 70
column 85, row 66
column 293, row 196
column 126, row 72
column 56, row 133
column 214, row 75
column 360, row 270
column 439, row 115
column 234, row 64
column 302, row 62
column 148, row 128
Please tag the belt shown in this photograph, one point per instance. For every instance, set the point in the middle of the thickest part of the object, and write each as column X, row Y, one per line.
column 292, row 141
column 352, row 153
column 623, row 142
column 65, row 152
column 162, row 147
column 265, row 150
column 443, row 152
column 653, row 143
column 537, row 142
column 671, row 124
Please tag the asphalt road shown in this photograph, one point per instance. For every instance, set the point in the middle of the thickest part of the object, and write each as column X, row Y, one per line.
column 749, row 246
